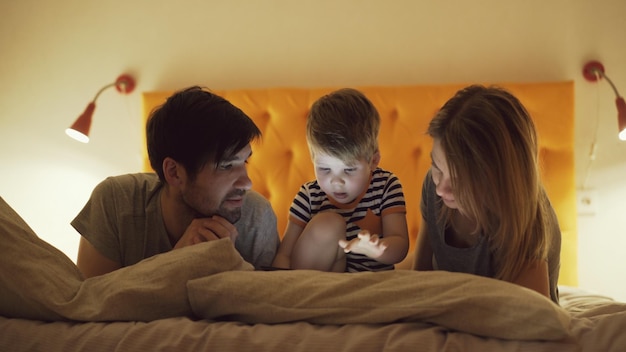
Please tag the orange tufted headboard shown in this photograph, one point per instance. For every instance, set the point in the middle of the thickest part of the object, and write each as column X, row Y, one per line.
column 281, row 162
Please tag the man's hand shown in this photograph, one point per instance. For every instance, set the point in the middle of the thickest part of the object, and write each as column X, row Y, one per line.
column 207, row 229
column 365, row 243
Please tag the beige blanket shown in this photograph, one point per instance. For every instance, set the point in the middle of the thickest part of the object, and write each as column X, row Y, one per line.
column 456, row 301
column 39, row 282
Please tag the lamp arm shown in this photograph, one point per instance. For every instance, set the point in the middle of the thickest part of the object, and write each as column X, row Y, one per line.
column 103, row 89
column 610, row 82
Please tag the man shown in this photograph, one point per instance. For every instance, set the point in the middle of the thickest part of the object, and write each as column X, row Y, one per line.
column 198, row 145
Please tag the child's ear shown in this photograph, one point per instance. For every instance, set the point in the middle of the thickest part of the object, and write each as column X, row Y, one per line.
column 375, row 160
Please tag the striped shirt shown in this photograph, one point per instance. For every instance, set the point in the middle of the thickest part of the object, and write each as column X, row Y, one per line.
column 384, row 196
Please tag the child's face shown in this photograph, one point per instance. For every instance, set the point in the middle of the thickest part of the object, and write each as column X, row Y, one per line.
column 341, row 182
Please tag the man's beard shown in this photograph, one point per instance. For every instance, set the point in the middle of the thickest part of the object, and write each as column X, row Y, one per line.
column 232, row 215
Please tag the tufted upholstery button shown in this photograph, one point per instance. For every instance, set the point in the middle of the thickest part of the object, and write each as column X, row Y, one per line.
column 394, row 115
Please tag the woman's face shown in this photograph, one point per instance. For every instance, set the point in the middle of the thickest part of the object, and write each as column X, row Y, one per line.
column 441, row 175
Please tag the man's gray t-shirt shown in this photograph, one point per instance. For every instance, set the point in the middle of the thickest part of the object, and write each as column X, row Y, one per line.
column 478, row 258
column 123, row 221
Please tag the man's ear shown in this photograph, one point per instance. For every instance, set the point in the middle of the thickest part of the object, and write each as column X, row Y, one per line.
column 174, row 173
column 375, row 160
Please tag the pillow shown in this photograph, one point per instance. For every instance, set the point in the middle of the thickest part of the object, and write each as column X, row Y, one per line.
column 457, row 301
column 154, row 288
column 37, row 281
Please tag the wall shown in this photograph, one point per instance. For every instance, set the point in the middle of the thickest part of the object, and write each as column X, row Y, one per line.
column 56, row 55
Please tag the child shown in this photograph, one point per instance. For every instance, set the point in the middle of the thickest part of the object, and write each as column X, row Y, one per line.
column 352, row 217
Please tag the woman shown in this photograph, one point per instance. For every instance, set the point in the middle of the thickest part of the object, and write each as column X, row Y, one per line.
column 484, row 209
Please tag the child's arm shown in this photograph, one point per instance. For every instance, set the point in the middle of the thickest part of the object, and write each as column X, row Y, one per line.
column 283, row 255
column 390, row 249
column 396, row 238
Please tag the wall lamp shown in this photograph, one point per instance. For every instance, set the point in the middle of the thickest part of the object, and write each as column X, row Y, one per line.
column 79, row 130
column 593, row 71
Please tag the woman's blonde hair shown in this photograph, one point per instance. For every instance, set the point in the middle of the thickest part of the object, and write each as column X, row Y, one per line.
column 490, row 144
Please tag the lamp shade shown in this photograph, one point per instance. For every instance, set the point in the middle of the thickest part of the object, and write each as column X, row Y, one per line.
column 621, row 117
column 80, row 128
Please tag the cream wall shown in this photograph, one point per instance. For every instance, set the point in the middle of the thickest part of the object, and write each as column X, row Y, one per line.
column 54, row 56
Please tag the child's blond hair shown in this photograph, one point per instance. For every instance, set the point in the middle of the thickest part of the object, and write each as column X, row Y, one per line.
column 343, row 124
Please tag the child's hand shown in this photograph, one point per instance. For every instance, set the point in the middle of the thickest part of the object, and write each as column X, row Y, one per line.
column 365, row 243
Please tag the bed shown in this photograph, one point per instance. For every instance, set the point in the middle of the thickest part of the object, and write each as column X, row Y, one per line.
column 206, row 297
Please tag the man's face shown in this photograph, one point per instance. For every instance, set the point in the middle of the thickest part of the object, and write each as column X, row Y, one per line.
column 220, row 190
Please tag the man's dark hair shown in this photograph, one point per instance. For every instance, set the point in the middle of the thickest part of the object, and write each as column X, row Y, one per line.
column 196, row 127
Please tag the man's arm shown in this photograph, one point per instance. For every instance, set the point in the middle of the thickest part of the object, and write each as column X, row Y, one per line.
column 207, row 229
column 91, row 262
